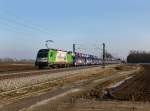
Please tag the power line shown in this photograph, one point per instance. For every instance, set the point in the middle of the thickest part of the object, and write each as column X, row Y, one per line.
column 21, row 24
column 31, row 26
column 9, row 27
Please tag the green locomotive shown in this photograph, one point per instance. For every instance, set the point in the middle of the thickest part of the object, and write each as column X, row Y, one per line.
column 54, row 58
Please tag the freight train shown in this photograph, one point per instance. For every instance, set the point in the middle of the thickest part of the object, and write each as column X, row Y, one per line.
column 60, row 58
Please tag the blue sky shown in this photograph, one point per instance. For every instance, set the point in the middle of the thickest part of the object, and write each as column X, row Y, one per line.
column 25, row 24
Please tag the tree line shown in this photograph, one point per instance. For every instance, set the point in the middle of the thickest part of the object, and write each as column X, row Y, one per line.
column 138, row 57
column 13, row 60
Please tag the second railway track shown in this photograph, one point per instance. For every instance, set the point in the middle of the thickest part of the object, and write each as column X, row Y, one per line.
column 39, row 72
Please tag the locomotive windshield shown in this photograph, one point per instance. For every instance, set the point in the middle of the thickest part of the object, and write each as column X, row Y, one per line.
column 42, row 53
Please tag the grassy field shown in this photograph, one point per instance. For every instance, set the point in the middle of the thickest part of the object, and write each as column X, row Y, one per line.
column 16, row 66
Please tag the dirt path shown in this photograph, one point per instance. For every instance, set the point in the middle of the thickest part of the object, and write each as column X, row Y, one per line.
column 136, row 88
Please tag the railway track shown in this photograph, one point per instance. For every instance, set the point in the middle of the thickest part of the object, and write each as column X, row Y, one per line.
column 39, row 72
column 18, row 80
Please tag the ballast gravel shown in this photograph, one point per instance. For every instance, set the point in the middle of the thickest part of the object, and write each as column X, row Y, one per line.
column 16, row 83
